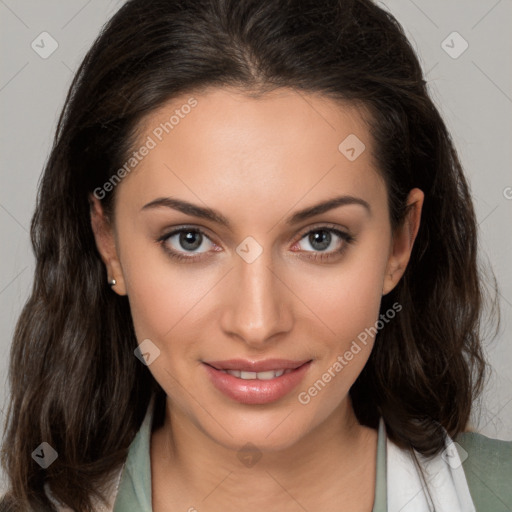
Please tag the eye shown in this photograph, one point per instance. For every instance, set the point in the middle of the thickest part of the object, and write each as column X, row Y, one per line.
column 181, row 241
column 325, row 242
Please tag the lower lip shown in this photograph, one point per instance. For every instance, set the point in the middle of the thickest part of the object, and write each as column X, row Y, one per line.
column 254, row 391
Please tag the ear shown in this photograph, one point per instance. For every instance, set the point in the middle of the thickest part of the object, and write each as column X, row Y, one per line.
column 104, row 235
column 403, row 241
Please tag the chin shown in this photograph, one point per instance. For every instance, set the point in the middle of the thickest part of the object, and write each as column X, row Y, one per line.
column 269, row 431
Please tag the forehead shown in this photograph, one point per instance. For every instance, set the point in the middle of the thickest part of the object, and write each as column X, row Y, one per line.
column 226, row 148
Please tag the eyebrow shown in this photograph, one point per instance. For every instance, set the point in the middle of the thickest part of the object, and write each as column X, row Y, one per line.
column 214, row 216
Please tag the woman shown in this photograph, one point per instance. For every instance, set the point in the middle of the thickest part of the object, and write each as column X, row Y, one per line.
column 256, row 279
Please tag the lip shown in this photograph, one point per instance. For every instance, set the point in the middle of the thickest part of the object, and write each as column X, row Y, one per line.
column 254, row 391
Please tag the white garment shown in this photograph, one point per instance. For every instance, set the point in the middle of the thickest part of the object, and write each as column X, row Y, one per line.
column 444, row 476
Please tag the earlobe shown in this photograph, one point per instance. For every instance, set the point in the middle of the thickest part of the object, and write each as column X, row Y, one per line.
column 105, row 242
column 403, row 241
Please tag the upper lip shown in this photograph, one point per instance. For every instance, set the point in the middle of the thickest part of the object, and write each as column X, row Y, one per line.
column 246, row 365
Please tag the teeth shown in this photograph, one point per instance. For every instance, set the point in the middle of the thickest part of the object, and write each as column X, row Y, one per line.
column 270, row 374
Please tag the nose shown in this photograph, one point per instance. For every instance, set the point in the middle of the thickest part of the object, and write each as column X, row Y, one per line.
column 259, row 307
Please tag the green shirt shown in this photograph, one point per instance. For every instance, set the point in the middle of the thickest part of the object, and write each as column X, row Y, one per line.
column 488, row 470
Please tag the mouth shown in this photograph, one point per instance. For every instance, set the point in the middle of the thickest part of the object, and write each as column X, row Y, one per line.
column 268, row 375
column 256, row 382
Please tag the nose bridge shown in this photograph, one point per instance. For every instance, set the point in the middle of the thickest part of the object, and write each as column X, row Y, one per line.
column 257, row 308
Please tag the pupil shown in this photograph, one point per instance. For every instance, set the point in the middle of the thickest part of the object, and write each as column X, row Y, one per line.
column 323, row 241
column 187, row 240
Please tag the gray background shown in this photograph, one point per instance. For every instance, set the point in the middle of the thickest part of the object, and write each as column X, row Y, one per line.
column 473, row 92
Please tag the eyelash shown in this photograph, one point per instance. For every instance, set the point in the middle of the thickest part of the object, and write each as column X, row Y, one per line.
column 318, row 256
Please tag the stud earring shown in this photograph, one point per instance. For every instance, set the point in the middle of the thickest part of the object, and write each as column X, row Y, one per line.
column 112, row 282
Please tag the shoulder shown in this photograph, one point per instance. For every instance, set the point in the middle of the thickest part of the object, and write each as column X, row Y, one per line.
column 487, row 464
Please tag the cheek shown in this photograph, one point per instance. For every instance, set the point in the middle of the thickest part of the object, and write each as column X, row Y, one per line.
column 154, row 287
column 358, row 299
column 347, row 301
column 166, row 300
column 169, row 304
column 349, row 306
column 346, row 298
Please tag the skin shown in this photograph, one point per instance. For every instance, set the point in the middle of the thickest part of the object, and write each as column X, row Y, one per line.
column 257, row 161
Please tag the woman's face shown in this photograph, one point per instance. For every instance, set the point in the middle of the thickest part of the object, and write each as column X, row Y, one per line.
column 257, row 272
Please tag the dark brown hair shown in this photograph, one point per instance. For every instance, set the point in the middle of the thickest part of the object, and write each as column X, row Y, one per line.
column 74, row 380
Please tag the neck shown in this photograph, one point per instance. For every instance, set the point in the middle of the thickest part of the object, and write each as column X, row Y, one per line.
column 337, row 457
